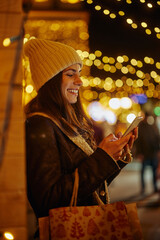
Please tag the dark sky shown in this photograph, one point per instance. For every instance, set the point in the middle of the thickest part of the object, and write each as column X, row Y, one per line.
column 116, row 37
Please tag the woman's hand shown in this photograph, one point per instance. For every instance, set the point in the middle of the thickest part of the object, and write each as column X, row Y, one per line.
column 117, row 146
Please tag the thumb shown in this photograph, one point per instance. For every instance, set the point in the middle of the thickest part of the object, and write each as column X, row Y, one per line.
column 111, row 137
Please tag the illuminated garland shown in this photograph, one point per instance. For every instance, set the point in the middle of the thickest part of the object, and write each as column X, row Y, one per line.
column 107, row 64
column 113, row 15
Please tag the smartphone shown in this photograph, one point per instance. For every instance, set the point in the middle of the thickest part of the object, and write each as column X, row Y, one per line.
column 133, row 125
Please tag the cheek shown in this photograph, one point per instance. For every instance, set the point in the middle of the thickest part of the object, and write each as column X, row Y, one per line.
column 64, row 88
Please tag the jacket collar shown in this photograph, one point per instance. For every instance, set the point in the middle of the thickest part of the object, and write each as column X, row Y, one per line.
column 78, row 140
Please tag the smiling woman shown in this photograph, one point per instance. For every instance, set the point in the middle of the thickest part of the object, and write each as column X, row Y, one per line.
column 71, row 83
column 60, row 137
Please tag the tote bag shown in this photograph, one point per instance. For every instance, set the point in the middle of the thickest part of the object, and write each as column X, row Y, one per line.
column 114, row 221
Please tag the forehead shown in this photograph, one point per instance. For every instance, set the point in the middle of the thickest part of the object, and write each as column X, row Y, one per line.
column 74, row 67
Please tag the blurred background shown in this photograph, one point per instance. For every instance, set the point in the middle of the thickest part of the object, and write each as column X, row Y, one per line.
column 119, row 43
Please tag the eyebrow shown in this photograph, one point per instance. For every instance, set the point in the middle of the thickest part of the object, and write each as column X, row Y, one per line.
column 72, row 69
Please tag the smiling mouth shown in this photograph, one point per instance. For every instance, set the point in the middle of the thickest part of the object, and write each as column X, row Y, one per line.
column 73, row 91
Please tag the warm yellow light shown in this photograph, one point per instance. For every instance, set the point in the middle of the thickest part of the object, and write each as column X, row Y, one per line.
column 131, row 69
column 139, row 64
column 6, row 42
column 98, row 53
column 89, row 1
column 129, row 82
column 88, row 62
column 98, row 7
column 156, row 29
column 151, row 61
column 97, row 62
column 121, row 13
column 92, row 56
column 124, row 70
column 125, row 58
column 84, row 36
column 142, row 1
column 8, row 235
column 106, row 12
column 158, row 65
column 85, row 54
column 158, row 2
column 97, row 80
column 148, row 31
column 128, row 1
column 107, row 86
column 111, row 60
column 134, row 62
column 129, row 21
column 139, row 83
column 118, row 65
column 157, row 79
column 113, row 69
column 134, row 25
column 120, row 59
column 151, row 87
column 108, row 80
column 119, row 83
column 145, row 82
column 112, row 15
column 139, row 74
column 147, row 60
column 135, row 83
column 105, row 59
column 144, row 24
column 29, row 88
column 107, row 67
column 153, row 74
column 158, row 35
column 85, row 81
column 149, row 5
column 87, row 94
column 149, row 93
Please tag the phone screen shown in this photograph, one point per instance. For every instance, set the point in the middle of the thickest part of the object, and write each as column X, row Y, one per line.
column 133, row 125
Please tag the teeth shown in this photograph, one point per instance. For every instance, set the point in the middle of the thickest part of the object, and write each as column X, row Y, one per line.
column 74, row 91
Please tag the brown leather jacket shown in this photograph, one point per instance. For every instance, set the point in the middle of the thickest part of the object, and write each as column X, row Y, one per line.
column 51, row 160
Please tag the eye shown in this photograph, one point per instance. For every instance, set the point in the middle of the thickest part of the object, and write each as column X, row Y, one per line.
column 69, row 75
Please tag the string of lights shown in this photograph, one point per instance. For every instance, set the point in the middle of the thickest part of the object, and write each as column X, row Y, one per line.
column 148, row 4
column 112, row 14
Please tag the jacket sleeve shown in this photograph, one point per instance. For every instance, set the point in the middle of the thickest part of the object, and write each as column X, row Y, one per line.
column 48, row 185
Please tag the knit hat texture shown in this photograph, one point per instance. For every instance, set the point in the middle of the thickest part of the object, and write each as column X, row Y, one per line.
column 48, row 58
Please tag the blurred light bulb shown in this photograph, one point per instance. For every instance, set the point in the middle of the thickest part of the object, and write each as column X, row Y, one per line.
column 8, row 235
column 6, row 42
column 131, row 117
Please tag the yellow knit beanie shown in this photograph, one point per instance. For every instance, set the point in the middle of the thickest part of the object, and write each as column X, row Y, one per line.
column 48, row 58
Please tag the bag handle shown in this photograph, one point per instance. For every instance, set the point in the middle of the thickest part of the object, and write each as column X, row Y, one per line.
column 73, row 201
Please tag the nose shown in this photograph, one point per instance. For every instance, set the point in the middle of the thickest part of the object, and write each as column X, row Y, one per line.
column 78, row 81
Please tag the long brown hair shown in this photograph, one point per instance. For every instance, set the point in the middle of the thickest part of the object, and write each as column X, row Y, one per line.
column 49, row 100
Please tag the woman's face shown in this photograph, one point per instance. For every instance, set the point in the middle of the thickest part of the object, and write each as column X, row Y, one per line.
column 71, row 83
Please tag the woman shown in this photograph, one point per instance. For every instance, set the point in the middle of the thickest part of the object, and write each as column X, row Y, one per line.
column 59, row 136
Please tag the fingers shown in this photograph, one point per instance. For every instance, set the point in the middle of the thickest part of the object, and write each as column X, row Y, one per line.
column 135, row 132
column 111, row 137
column 131, row 142
column 124, row 140
column 119, row 135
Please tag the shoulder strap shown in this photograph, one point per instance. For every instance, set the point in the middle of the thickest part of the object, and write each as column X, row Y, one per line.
column 78, row 140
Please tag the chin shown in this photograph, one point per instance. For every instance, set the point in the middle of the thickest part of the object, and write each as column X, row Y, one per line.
column 72, row 101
